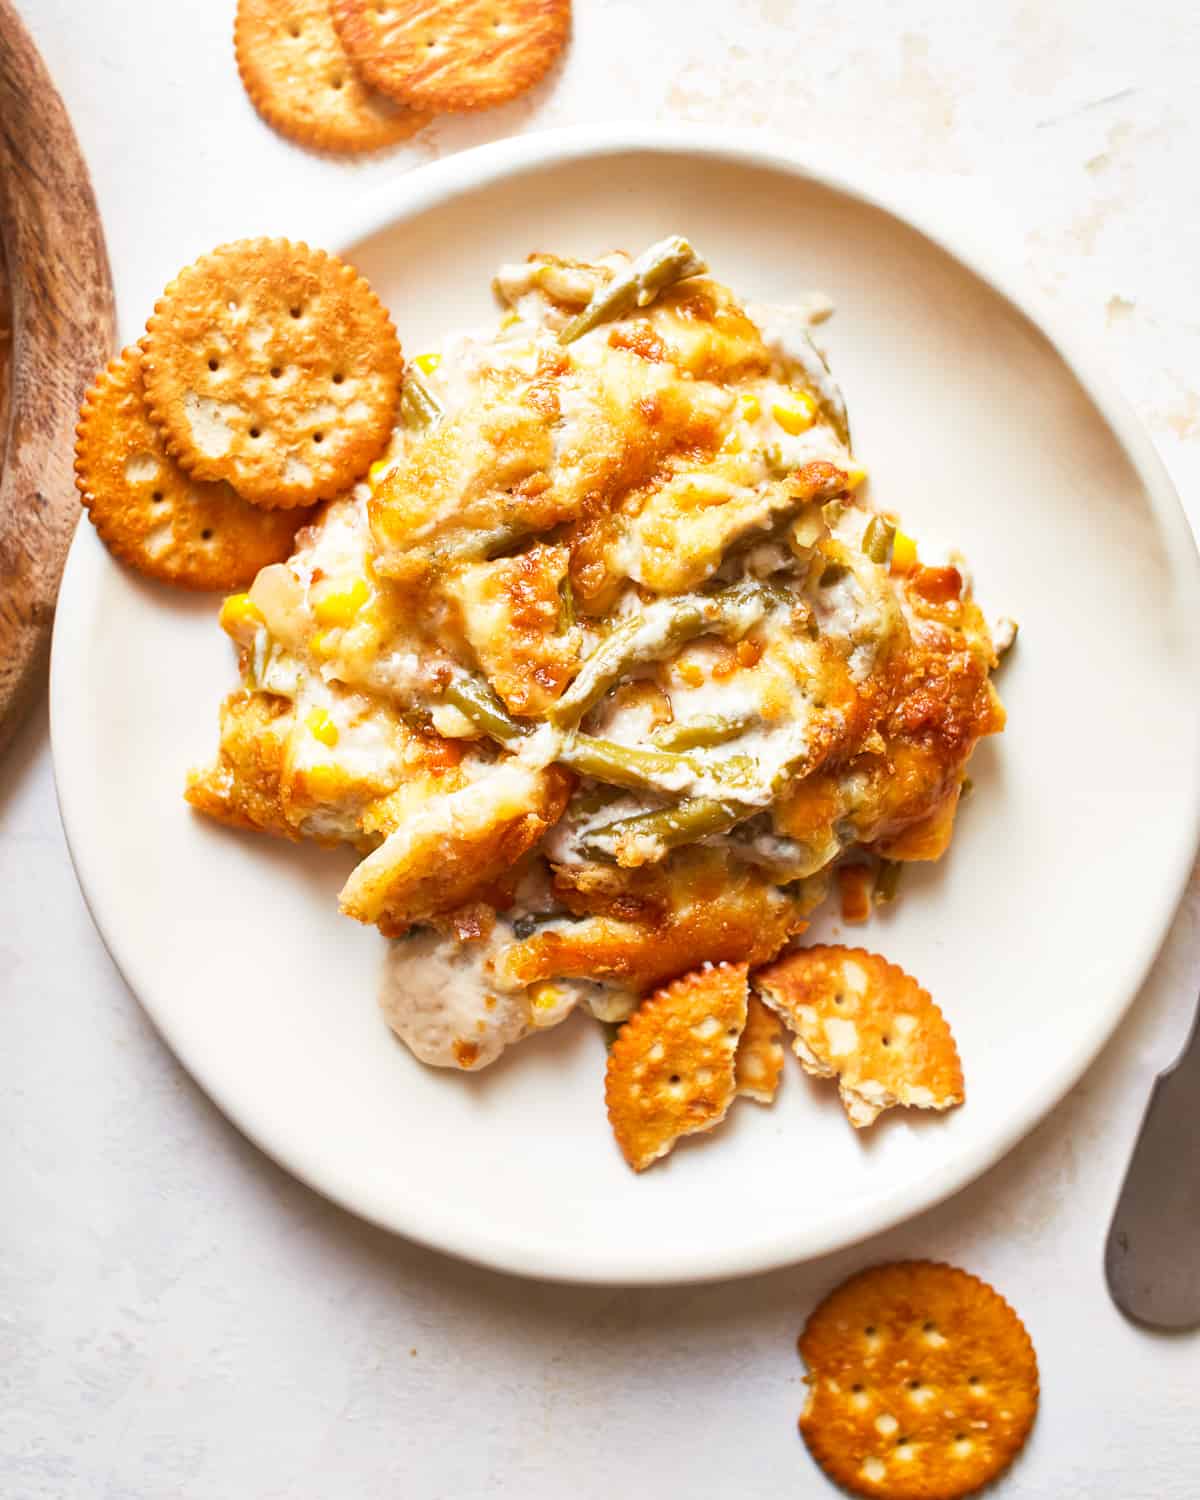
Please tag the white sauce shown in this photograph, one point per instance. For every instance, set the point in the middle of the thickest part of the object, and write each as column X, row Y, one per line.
column 437, row 998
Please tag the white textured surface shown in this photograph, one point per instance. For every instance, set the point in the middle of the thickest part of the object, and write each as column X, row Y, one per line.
column 178, row 1318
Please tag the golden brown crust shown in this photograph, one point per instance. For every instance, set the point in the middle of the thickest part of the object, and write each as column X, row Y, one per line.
column 152, row 515
column 274, row 776
column 511, row 612
column 505, row 461
column 901, row 748
column 451, row 55
column 274, row 367
column 452, row 848
column 867, row 1023
column 244, row 789
column 671, row 1069
column 711, row 906
column 682, row 542
column 298, row 77
column 923, row 1383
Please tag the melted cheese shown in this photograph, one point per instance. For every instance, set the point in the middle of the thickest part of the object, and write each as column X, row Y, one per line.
column 565, row 490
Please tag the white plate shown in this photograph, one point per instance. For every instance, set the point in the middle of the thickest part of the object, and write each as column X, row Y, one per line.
column 1034, row 933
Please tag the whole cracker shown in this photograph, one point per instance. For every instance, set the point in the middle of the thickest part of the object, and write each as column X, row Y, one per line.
column 274, row 367
column 299, row 78
column 923, row 1383
column 452, row 55
column 671, row 1069
column 859, row 1019
column 149, row 512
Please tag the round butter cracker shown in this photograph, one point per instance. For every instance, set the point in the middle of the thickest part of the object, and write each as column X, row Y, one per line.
column 151, row 514
column 923, row 1383
column 298, row 77
column 671, row 1071
column 274, row 367
column 452, row 55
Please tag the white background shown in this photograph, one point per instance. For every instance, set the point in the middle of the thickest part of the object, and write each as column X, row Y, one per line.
column 177, row 1317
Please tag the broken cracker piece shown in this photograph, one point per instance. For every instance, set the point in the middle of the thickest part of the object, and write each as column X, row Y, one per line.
column 859, row 1019
column 923, row 1383
column 758, row 1065
column 671, row 1069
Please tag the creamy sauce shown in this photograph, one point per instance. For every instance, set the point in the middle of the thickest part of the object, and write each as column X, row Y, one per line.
column 437, row 998
column 356, row 674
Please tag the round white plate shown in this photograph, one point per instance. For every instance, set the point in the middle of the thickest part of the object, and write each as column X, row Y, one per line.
column 979, row 426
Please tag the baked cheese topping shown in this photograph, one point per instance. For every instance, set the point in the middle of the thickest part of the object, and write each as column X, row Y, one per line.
column 608, row 663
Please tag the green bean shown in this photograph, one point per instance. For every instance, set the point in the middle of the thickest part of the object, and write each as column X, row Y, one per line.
column 641, row 769
column 642, row 638
column 566, row 604
column 478, row 545
column 887, row 880
column 877, row 540
column 829, row 397
column 629, row 766
column 693, row 818
column 702, row 733
column 591, row 800
column 419, row 407
column 476, row 702
column 657, row 268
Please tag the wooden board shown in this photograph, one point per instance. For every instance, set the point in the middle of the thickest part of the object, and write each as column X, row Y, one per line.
column 57, row 301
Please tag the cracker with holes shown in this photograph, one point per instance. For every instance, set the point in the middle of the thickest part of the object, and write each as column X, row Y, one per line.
column 300, row 80
column 149, row 512
column 274, row 367
column 671, row 1069
column 758, row 1065
column 859, row 1019
column 452, row 54
column 922, row 1383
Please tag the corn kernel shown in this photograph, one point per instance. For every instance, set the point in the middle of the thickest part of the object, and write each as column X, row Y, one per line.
column 339, row 604
column 427, row 363
column 751, row 406
column 239, row 614
column 324, row 783
column 544, row 995
column 323, row 643
column 904, row 553
column 797, row 413
column 322, row 727
column 733, row 443
column 509, row 319
column 856, row 477
column 378, row 469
